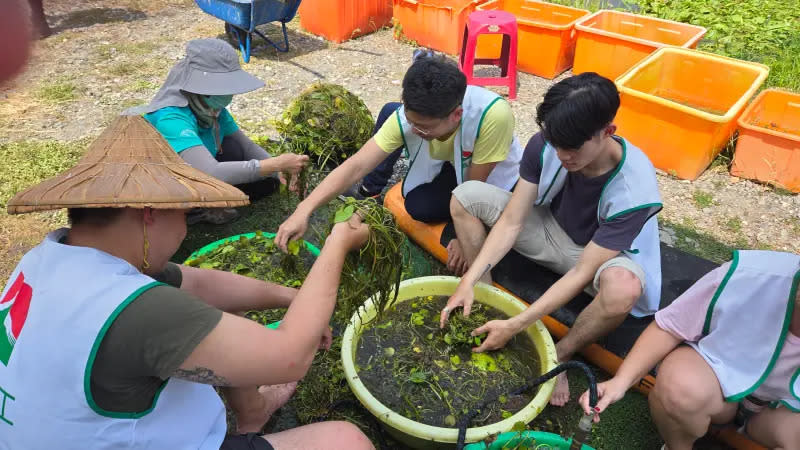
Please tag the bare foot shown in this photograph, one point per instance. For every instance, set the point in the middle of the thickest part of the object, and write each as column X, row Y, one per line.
column 455, row 258
column 560, row 395
column 252, row 421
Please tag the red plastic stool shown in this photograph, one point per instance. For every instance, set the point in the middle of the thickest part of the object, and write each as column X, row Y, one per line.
column 491, row 22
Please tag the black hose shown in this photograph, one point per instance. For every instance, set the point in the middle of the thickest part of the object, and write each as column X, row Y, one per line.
column 590, row 378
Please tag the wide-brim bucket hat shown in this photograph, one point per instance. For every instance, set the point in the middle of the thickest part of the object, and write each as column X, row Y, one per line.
column 210, row 67
column 213, row 68
column 129, row 165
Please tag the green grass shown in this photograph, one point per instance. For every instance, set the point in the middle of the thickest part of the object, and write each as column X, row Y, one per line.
column 691, row 241
column 57, row 91
column 733, row 224
column 782, row 191
column 142, row 86
column 624, row 425
column 763, row 31
column 126, row 49
column 27, row 163
column 702, row 199
column 124, row 68
column 794, row 224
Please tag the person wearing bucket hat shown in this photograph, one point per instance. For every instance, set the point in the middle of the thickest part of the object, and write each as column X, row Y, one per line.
column 110, row 358
column 190, row 111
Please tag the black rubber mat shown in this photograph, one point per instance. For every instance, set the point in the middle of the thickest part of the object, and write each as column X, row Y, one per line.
column 528, row 281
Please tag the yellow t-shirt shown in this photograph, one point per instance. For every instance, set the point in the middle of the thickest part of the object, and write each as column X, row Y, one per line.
column 493, row 144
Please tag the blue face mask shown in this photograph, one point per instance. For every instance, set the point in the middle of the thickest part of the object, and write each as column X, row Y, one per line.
column 218, row 101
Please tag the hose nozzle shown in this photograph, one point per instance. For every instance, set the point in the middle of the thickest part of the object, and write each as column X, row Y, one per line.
column 583, row 431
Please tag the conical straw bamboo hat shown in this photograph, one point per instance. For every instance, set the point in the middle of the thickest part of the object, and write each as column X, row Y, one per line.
column 129, row 165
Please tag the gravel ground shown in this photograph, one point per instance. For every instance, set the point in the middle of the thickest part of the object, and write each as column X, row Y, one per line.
column 117, row 54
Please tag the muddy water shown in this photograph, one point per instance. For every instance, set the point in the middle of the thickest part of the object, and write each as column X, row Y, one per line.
column 406, row 363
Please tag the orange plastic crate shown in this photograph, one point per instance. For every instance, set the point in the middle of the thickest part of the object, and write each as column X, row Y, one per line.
column 680, row 106
column 768, row 148
column 611, row 42
column 437, row 24
column 340, row 20
column 545, row 33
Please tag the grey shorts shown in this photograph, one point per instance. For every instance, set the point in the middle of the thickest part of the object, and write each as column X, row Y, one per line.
column 541, row 240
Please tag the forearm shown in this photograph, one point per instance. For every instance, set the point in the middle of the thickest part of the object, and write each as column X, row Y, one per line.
column 653, row 345
column 480, row 172
column 231, row 172
column 234, row 293
column 311, row 310
column 249, row 149
column 499, row 241
column 558, row 295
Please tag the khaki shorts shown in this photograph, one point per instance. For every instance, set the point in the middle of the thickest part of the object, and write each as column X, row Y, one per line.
column 541, row 240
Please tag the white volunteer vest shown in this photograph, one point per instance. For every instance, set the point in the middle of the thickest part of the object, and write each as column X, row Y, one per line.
column 423, row 169
column 77, row 292
column 632, row 186
column 747, row 321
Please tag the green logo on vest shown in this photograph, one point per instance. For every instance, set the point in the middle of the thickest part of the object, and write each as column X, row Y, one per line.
column 13, row 312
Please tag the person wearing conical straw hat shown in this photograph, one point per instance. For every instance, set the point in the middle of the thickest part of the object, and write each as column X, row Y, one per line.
column 190, row 111
column 110, row 358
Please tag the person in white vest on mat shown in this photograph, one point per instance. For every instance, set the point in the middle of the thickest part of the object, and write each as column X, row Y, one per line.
column 450, row 133
column 585, row 207
column 110, row 358
column 729, row 353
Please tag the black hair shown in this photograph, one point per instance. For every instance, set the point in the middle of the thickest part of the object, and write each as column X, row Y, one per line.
column 433, row 86
column 93, row 216
column 576, row 108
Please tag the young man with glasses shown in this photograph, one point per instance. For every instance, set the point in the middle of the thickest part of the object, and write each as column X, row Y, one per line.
column 450, row 132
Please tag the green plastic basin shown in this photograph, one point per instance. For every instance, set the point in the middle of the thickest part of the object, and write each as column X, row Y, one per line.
column 422, row 436
column 212, row 246
column 533, row 440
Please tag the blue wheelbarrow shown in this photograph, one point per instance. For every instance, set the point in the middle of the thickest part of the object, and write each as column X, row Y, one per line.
column 243, row 16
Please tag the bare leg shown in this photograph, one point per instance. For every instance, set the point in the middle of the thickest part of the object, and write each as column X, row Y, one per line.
column 471, row 234
column 776, row 428
column 687, row 398
column 253, row 407
column 321, row 436
column 619, row 291
column 455, row 258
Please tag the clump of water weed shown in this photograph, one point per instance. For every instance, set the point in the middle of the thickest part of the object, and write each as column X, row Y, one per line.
column 377, row 268
column 326, row 122
column 258, row 257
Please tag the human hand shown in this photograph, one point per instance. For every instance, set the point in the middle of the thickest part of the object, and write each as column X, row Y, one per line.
column 293, row 228
column 456, row 262
column 463, row 296
column 499, row 333
column 353, row 233
column 326, row 340
column 608, row 393
column 290, row 164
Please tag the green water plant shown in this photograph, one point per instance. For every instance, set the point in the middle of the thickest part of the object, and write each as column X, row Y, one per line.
column 326, row 122
column 375, row 270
